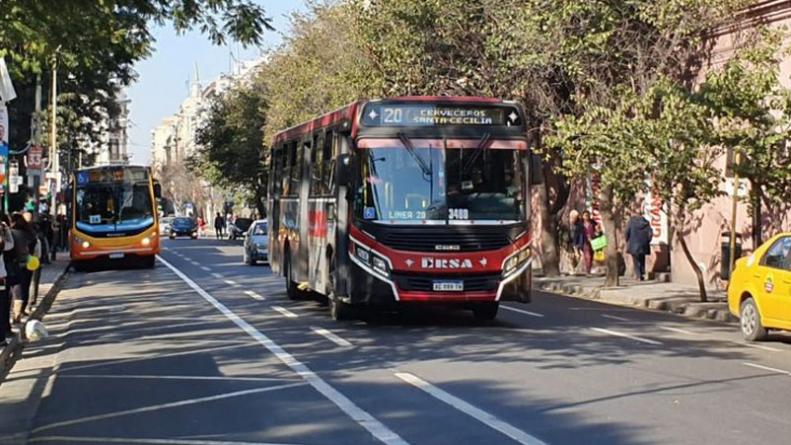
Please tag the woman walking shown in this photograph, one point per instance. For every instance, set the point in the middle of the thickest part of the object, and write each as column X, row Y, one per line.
column 590, row 230
column 24, row 245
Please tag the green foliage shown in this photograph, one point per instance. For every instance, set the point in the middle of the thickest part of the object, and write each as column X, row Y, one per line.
column 230, row 153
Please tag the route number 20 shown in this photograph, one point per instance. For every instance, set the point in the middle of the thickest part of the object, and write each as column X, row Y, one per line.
column 393, row 115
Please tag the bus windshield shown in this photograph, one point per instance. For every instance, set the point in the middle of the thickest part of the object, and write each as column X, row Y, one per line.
column 120, row 202
column 430, row 181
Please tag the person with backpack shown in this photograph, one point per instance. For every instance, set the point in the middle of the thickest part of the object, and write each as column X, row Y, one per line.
column 25, row 241
column 638, row 242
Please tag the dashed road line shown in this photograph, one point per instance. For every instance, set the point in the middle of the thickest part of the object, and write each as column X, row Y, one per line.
column 285, row 312
column 753, row 345
column 331, row 337
column 231, row 282
column 142, row 441
column 615, row 317
column 625, row 335
column 522, row 311
column 676, row 330
column 478, row 414
column 379, row 430
column 217, row 275
column 767, row 368
column 254, row 295
column 204, row 268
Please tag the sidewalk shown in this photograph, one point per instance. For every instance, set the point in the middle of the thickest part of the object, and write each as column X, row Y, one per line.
column 52, row 276
column 654, row 295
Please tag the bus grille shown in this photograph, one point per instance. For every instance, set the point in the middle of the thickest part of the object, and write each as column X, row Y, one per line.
column 472, row 283
column 447, row 240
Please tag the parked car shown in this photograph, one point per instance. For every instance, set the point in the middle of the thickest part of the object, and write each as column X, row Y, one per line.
column 183, row 226
column 256, row 243
column 239, row 228
column 759, row 292
column 164, row 224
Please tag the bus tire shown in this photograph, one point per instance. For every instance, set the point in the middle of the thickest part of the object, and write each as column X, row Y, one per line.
column 149, row 261
column 485, row 311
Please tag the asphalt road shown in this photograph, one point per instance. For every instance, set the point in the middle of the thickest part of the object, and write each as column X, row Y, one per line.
column 205, row 350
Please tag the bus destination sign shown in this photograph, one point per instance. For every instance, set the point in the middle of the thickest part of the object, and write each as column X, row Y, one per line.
column 422, row 115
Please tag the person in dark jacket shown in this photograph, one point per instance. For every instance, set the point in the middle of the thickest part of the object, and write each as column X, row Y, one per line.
column 24, row 245
column 638, row 243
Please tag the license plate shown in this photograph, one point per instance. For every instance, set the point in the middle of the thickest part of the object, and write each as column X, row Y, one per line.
column 449, row 286
column 115, row 256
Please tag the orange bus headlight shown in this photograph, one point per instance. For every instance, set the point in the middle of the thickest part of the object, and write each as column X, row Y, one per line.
column 85, row 244
column 146, row 241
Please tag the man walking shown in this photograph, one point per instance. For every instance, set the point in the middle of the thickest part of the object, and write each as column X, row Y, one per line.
column 219, row 225
column 638, row 243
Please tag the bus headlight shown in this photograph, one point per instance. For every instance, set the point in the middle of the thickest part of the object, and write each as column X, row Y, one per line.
column 515, row 261
column 380, row 265
column 146, row 241
column 85, row 244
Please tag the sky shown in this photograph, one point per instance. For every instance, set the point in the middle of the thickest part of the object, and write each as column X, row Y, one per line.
column 163, row 78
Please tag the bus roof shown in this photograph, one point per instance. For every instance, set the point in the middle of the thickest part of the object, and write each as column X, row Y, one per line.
column 101, row 167
column 347, row 114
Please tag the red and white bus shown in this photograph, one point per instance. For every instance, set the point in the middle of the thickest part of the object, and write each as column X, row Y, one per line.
column 405, row 200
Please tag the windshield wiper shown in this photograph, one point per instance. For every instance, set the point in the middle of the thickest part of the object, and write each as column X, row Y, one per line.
column 425, row 168
column 482, row 146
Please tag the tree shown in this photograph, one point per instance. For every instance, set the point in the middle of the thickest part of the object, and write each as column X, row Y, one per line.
column 753, row 112
column 230, row 141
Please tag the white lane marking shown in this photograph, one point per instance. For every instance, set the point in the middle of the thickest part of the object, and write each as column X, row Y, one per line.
column 150, row 408
column 362, row 417
column 204, row 268
column 194, row 263
column 331, row 336
column 217, row 275
column 476, row 413
column 254, row 295
column 677, row 330
column 285, row 312
column 753, row 345
column 522, row 311
column 615, row 317
column 168, row 377
column 767, row 368
column 231, row 282
column 132, row 440
column 625, row 335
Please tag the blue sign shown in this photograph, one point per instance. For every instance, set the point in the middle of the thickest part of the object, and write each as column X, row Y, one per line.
column 82, row 178
column 369, row 213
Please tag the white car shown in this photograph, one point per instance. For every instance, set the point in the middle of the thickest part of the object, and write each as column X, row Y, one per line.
column 164, row 224
column 256, row 243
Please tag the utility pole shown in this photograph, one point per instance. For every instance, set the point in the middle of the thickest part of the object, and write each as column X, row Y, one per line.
column 736, row 183
column 53, row 138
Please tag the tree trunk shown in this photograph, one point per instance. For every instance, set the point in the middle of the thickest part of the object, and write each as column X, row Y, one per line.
column 694, row 264
column 550, row 258
column 608, row 211
column 757, row 214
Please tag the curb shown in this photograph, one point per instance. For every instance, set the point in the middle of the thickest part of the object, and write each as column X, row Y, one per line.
column 703, row 311
column 11, row 353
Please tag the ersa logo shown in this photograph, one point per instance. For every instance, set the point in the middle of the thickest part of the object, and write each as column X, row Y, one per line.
column 445, row 263
column 769, row 285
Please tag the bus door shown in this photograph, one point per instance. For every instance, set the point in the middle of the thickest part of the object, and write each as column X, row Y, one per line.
column 276, row 171
column 321, row 224
column 303, row 248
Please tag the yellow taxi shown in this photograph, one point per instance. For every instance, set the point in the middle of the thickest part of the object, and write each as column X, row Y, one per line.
column 759, row 292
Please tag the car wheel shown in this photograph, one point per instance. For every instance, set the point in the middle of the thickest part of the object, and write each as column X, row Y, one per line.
column 486, row 311
column 750, row 321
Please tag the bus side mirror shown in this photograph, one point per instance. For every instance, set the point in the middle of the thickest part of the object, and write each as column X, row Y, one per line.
column 536, row 169
column 343, row 169
column 157, row 190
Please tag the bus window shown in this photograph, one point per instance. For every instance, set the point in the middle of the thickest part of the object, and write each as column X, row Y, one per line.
column 316, row 167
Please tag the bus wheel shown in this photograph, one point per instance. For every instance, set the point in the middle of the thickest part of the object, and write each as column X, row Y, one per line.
column 486, row 311
column 149, row 261
column 339, row 310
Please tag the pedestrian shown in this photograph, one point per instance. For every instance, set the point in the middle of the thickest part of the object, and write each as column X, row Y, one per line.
column 590, row 230
column 24, row 246
column 219, row 225
column 576, row 238
column 638, row 242
column 39, row 252
column 6, row 245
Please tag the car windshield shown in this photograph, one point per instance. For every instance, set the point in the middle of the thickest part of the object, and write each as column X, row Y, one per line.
column 259, row 229
column 432, row 182
column 182, row 221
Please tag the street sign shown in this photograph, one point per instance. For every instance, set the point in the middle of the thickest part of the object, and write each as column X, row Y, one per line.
column 34, row 163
